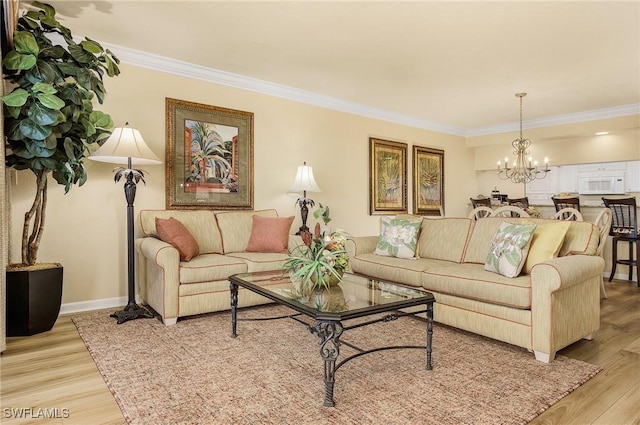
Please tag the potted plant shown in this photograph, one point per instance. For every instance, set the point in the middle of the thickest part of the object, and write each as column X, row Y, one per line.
column 50, row 126
column 320, row 262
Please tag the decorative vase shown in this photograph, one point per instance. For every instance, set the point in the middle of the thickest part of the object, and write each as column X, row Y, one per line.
column 329, row 279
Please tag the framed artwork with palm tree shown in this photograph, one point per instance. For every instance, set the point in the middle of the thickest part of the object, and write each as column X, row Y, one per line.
column 387, row 177
column 209, row 157
column 428, row 181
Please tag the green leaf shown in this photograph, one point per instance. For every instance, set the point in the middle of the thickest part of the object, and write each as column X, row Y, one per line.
column 16, row 98
column 46, row 72
column 50, row 101
column 34, row 131
column 81, row 55
column 68, row 69
column 16, row 61
column 51, row 142
column 54, row 52
column 91, row 46
column 48, row 9
column 84, row 78
column 68, row 148
column 13, row 111
column 42, row 115
column 22, row 152
column 25, row 43
column 44, row 88
column 40, row 150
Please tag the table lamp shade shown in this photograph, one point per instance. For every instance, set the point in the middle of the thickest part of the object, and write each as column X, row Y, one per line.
column 124, row 143
column 304, row 181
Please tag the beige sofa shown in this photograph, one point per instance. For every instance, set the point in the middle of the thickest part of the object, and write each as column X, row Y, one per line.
column 175, row 288
column 554, row 306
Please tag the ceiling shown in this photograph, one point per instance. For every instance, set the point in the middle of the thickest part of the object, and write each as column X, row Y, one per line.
column 452, row 66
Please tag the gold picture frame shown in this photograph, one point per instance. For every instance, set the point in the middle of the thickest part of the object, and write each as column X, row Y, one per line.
column 209, row 157
column 387, row 177
column 428, row 181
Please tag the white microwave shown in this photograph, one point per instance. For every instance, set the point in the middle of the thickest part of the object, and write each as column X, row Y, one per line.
column 601, row 183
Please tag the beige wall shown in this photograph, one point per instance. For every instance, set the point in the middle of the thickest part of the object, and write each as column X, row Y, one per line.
column 85, row 229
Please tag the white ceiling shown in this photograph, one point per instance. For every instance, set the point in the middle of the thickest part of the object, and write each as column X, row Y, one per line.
column 453, row 66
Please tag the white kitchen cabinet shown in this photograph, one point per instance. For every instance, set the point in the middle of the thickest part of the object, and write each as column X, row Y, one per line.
column 568, row 179
column 633, row 176
column 603, row 166
column 540, row 191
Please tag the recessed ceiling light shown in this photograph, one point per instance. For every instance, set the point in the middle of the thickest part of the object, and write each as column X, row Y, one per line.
column 602, row 133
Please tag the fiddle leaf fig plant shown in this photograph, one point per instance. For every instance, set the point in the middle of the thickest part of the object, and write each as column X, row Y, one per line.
column 49, row 120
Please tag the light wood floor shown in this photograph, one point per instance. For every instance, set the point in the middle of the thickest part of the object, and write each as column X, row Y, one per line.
column 55, row 371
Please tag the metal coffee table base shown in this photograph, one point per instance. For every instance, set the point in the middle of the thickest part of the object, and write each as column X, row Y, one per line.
column 330, row 331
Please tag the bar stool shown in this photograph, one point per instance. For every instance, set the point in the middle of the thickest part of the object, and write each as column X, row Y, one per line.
column 624, row 228
column 480, row 202
column 522, row 203
column 561, row 203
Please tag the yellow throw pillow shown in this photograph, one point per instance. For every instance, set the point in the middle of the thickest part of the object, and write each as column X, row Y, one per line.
column 546, row 243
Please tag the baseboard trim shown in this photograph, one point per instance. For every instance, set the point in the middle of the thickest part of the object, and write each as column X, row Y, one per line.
column 620, row 276
column 82, row 306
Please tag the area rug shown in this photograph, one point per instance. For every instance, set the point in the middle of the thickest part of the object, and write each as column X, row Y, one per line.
column 272, row 373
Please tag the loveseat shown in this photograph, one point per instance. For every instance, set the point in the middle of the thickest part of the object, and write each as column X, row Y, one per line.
column 552, row 306
column 175, row 288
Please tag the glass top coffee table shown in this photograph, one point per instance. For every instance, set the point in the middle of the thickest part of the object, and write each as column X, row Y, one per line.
column 355, row 297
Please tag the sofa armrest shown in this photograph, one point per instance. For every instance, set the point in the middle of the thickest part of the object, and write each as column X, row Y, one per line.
column 159, row 275
column 361, row 245
column 565, row 304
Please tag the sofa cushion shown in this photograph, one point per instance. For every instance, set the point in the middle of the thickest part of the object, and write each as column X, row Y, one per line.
column 398, row 270
column 473, row 282
column 546, row 243
column 509, row 249
column 261, row 261
column 210, row 267
column 269, row 234
column 482, row 236
column 582, row 237
column 444, row 238
column 398, row 237
column 174, row 233
column 235, row 228
column 201, row 224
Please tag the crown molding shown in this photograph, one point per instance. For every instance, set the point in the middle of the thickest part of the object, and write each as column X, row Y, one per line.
column 597, row 114
column 189, row 70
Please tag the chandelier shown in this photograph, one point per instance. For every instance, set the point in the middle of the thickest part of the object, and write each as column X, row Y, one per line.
column 523, row 169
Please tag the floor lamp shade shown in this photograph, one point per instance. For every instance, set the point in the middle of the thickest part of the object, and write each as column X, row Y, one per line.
column 125, row 143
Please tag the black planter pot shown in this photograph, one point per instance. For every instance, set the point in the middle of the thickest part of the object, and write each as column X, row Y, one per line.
column 33, row 300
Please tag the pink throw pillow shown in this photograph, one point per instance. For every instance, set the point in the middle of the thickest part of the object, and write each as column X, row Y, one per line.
column 269, row 234
column 173, row 232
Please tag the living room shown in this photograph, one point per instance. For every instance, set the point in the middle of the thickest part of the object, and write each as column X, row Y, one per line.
column 85, row 230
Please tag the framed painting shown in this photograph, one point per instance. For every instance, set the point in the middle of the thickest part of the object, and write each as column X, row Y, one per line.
column 428, row 181
column 209, row 157
column 387, row 177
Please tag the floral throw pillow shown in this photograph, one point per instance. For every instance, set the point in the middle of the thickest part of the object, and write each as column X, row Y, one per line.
column 398, row 237
column 509, row 249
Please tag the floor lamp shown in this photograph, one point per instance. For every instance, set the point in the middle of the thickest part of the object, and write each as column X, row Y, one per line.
column 126, row 146
column 304, row 183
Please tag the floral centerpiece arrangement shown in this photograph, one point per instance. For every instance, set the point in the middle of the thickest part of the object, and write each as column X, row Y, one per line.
column 533, row 212
column 320, row 262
